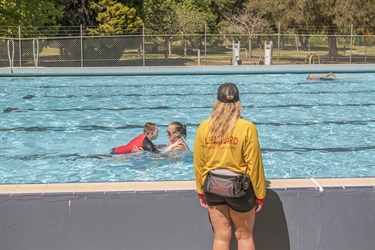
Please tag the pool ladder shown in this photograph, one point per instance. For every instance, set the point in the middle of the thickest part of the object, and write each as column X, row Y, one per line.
column 10, row 46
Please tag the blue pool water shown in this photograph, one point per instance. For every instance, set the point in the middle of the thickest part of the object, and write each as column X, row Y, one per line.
column 61, row 129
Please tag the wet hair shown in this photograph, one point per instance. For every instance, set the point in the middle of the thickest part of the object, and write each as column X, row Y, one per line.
column 180, row 128
column 149, row 127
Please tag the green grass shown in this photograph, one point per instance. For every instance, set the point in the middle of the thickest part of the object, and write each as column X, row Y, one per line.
column 49, row 52
column 222, row 56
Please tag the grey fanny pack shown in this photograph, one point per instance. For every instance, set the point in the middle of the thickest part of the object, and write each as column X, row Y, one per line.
column 226, row 183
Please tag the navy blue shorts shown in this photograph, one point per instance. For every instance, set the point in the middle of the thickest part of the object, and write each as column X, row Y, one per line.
column 240, row 204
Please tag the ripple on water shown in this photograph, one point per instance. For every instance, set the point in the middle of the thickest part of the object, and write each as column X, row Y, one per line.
column 64, row 133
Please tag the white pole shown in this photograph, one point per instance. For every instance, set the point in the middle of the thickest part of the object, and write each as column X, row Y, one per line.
column 199, row 57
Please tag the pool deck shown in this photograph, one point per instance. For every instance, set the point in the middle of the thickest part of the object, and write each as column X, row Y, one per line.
column 110, row 187
column 187, row 70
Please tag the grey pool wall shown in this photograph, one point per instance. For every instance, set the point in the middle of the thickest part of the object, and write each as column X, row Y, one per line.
column 298, row 214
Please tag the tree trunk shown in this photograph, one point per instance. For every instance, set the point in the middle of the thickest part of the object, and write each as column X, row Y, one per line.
column 332, row 46
column 304, row 42
column 259, row 42
column 166, row 47
column 185, row 47
column 250, row 49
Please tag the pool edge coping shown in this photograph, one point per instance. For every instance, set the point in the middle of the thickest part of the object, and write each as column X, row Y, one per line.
column 319, row 184
column 185, row 70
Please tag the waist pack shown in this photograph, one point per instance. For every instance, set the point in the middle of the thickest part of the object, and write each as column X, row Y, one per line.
column 226, row 183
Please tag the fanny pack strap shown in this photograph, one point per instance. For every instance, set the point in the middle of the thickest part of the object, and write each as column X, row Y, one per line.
column 245, row 170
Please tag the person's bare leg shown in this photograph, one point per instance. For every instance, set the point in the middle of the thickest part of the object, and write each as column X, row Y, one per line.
column 222, row 225
column 244, row 224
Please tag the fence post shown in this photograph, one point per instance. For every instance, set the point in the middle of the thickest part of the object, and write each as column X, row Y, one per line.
column 351, row 43
column 199, row 57
column 205, row 43
column 20, row 45
column 81, row 32
column 143, row 46
column 278, row 45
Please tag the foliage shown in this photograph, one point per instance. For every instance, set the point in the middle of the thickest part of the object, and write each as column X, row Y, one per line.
column 160, row 17
column 77, row 13
column 115, row 18
column 177, row 16
column 168, row 18
column 355, row 12
column 192, row 16
column 325, row 16
column 31, row 13
column 245, row 22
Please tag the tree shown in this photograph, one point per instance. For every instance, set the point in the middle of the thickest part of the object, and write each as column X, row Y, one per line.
column 323, row 16
column 294, row 15
column 220, row 6
column 115, row 18
column 245, row 22
column 77, row 13
column 32, row 13
column 191, row 18
column 169, row 17
column 160, row 18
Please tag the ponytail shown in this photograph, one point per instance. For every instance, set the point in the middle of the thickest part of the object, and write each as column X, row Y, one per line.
column 180, row 128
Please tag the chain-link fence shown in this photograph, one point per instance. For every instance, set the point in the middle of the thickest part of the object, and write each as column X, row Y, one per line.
column 189, row 50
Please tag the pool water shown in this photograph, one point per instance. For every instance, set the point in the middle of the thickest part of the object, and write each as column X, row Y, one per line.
column 61, row 129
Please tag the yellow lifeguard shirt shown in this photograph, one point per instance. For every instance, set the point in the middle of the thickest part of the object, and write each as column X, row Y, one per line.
column 241, row 149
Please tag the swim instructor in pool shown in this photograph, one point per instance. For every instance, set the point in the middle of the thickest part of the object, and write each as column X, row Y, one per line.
column 226, row 141
column 175, row 132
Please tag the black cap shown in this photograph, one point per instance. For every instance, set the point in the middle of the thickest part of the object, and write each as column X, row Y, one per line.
column 228, row 93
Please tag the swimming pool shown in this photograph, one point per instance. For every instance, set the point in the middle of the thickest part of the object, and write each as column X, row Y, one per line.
column 61, row 129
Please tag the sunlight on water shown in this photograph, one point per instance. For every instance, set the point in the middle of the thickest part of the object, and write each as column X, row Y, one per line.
column 62, row 129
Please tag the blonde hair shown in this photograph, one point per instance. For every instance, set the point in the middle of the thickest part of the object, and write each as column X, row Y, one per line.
column 222, row 119
column 149, row 127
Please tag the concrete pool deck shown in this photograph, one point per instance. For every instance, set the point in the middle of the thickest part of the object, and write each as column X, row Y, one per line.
column 188, row 70
column 107, row 187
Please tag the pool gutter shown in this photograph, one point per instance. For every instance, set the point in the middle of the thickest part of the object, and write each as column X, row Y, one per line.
column 187, row 70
